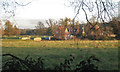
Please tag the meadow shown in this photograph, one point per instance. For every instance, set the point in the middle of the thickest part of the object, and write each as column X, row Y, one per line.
column 54, row 52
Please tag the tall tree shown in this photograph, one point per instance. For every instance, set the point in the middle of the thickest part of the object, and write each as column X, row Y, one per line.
column 40, row 28
column 52, row 25
column 115, row 25
column 65, row 22
column 48, row 31
column 16, row 30
column 103, row 10
column 3, row 31
column 8, row 28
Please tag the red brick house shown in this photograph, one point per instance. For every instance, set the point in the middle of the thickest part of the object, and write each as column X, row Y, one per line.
column 65, row 32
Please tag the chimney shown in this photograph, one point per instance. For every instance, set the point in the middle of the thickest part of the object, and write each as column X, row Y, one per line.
column 83, row 29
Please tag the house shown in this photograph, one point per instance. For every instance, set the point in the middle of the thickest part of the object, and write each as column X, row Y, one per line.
column 97, row 32
column 61, row 33
column 65, row 32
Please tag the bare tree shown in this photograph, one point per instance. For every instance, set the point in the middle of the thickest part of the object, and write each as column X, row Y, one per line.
column 40, row 28
column 8, row 7
column 52, row 25
column 103, row 10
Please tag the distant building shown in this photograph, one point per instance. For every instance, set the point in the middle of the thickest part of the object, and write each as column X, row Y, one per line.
column 65, row 32
column 83, row 30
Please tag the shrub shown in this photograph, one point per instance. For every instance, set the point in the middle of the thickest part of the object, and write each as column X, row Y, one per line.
column 30, row 64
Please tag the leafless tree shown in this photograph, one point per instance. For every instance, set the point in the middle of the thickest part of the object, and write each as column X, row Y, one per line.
column 40, row 28
column 103, row 10
column 52, row 25
column 8, row 7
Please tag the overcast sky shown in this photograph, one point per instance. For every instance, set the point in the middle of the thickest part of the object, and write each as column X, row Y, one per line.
column 28, row 16
column 43, row 9
column 119, row 11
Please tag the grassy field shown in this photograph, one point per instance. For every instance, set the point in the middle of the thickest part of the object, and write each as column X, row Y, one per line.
column 55, row 52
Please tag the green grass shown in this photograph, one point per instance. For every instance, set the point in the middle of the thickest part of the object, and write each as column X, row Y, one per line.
column 55, row 52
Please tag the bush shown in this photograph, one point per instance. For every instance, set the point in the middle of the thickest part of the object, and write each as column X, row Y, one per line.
column 30, row 64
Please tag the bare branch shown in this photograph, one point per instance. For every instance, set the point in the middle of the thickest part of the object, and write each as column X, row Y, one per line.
column 8, row 7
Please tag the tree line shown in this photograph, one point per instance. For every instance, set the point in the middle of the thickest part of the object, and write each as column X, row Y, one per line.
column 95, row 30
column 104, row 29
column 9, row 29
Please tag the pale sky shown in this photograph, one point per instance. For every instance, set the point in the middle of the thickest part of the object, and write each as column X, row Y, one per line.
column 28, row 16
column 119, row 11
column 43, row 9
